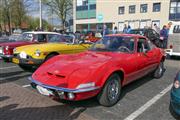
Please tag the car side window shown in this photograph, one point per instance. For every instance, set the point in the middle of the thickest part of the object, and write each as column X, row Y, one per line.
column 142, row 45
column 50, row 36
column 41, row 38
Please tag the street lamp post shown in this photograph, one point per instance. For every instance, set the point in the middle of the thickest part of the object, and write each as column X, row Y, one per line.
column 40, row 14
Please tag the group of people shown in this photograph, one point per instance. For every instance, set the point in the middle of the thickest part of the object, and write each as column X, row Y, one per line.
column 164, row 34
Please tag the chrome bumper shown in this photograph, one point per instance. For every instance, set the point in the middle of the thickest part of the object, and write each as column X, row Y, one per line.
column 64, row 89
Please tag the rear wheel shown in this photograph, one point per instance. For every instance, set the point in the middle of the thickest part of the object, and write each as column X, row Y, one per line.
column 111, row 91
column 158, row 73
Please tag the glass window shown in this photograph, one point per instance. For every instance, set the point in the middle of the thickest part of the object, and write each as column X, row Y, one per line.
column 114, row 43
column 41, row 37
column 121, row 10
column 143, row 8
column 143, row 45
column 92, row 7
column 156, row 7
column 132, row 9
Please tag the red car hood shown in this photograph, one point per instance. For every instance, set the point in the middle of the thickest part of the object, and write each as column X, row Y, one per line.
column 15, row 44
column 59, row 70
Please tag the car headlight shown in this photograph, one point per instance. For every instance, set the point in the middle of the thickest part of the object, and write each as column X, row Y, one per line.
column 23, row 55
column 86, row 85
column 176, row 84
column 14, row 50
column 6, row 48
column 38, row 53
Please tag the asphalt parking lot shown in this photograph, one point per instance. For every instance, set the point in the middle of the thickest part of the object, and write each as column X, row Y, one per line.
column 144, row 99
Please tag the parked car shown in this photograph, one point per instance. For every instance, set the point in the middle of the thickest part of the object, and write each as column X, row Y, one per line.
column 110, row 64
column 174, row 40
column 175, row 96
column 27, row 38
column 151, row 34
column 30, row 57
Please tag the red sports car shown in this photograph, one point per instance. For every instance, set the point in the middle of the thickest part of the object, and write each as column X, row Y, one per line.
column 110, row 64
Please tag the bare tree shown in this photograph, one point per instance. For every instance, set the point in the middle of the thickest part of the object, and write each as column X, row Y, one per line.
column 62, row 8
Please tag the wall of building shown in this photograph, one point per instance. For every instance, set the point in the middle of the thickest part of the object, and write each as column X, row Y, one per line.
column 108, row 10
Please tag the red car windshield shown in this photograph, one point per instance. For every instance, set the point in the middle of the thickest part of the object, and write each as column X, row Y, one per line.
column 114, row 43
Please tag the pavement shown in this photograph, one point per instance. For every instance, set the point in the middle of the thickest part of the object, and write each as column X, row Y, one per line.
column 144, row 99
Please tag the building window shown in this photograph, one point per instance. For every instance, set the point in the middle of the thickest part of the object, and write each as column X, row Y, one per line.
column 132, row 9
column 143, row 8
column 156, row 7
column 92, row 7
column 121, row 10
column 174, row 10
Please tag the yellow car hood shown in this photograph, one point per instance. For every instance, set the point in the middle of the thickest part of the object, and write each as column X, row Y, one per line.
column 47, row 47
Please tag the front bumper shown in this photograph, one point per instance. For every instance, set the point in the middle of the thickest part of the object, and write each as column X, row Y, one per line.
column 28, row 61
column 80, row 94
column 171, row 53
column 175, row 102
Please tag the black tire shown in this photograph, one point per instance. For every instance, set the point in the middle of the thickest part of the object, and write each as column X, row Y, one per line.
column 108, row 95
column 158, row 73
column 50, row 56
column 27, row 68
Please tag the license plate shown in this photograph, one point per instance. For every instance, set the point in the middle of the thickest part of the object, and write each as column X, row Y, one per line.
column 15, row 60
column 43, row 91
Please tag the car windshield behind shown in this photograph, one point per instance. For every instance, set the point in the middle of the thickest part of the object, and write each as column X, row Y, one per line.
column 139, row 32
column 114, row 43
column 57, row 38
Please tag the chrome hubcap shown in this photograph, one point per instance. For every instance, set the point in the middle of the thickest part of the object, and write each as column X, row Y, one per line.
column 113, row 90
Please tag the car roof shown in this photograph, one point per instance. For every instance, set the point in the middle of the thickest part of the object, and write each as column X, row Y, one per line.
column 42, row 32
column 126, row 35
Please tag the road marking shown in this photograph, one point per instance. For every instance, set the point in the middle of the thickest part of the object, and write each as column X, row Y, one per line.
column 143, row 108
column 25, row 86
column 8, row 67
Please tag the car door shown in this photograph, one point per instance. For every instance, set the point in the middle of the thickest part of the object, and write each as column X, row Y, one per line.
column 146, row 57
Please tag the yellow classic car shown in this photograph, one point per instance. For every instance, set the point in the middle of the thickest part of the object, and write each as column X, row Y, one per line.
column 32, row 56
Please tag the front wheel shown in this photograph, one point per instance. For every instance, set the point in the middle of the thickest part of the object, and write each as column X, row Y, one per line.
column 158, row 73
column 111, row 91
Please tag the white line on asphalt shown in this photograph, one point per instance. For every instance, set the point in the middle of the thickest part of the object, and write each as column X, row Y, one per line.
column 25, row 86
column 8, row 67
column 143, row 108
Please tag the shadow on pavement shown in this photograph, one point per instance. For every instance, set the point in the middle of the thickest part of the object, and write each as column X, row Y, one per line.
column 11, row 79
column 4, row 98
column 2, row 75
column 61, row 112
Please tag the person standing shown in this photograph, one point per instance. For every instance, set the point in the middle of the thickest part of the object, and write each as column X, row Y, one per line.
column 164, row 36
column 105, row 30
column 128, row 29
column 115, row 30
column 125, row 29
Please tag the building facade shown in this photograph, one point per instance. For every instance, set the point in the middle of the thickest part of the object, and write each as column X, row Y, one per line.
column 92, row 14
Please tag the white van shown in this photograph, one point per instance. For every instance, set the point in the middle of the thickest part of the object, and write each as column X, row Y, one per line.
column 173, row 48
